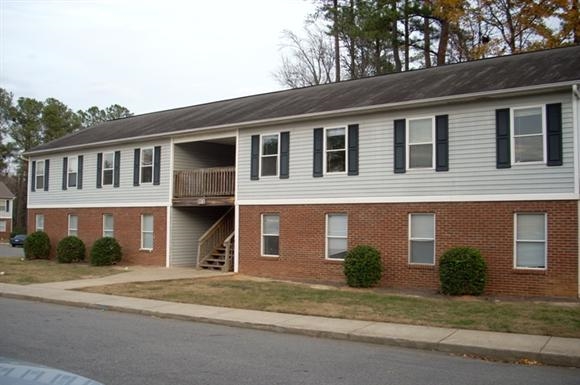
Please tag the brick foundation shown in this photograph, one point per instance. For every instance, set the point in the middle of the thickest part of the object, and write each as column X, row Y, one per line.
column 90, row 228
column 487, row 226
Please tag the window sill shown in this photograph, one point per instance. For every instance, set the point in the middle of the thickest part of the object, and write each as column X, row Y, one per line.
column 333, row 261
column 269, row 257
column 146, row 250
column 421, row 266
column 529, row 271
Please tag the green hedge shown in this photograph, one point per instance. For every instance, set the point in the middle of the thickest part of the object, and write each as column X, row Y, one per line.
column 363, row 266
column 462, row 271
column 70, row 249
column 37, row 246
column 106, row 251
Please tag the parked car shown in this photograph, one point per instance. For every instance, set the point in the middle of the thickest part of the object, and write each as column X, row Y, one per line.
column 18, row 240
column 24, row 373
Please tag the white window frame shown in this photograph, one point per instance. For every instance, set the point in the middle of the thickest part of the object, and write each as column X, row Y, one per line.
column 277, row 155
column 408, row 143
column 36, row 221
column 71, row 229
column 513, row 136
column 106, row 169
column 326, row 237
column 325, row 160
column 434, row 239
column 141, row 166
column 111, row 230
column 152, row 232
column 3, row 226
column 73, row 160
column 516, row 240
column 38, row 174
column 269, row 235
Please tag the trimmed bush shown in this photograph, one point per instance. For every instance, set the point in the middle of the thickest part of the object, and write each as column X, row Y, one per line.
column 70, row 249
column 363, row 266
column 105, row 251
column 37, row 246
column 462, row 271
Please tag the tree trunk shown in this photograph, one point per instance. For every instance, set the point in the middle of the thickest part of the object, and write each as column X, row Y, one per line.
column 352, row 48
column 395, row 40
column 406, row 20
column 577, row 23
column 443, row 41
column 427, row 39
column 336, row 43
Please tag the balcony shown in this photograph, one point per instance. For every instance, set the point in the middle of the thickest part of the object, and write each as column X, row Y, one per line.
column 214, row 186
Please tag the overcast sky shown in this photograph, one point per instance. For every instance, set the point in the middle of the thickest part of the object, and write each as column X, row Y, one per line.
column 145, row 55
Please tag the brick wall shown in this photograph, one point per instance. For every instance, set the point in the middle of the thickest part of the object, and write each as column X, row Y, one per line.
column 487, row 226
column 5, row 235
column 127, row 227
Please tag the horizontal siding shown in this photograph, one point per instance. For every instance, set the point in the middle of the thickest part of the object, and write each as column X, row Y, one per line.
column 472, row 163
column 92, row 196
column 203, row 154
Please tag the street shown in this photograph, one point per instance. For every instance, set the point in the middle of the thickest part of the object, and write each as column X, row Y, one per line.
column 125, row 349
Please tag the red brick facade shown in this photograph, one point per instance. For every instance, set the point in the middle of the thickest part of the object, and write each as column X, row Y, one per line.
column 488, row 226
column 127, row 228
column 5, row 235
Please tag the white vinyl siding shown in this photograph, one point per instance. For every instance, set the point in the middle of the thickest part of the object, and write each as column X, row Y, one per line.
column 108, row 225
column 269, row 154
column 147, row 235
column 39, row 222
column 528, row 134
column 422, row 239
column 270, row 235
column 530, row 241
column 73, row 225
column 336, row 236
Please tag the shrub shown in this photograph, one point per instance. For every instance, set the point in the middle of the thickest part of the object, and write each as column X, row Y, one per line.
column 363, row 266
column 105, row 251
column 37, row 245
column 462, row 271
column 70, row 249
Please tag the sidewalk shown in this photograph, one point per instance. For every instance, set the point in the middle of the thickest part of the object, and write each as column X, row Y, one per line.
column 497, row 346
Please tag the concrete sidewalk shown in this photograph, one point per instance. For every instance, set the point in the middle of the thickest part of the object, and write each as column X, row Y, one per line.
column 498, row 346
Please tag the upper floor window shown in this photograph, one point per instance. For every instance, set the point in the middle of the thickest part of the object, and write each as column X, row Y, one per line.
column 108, row 167
column 108, row 225
column 39, row 222
column 528, row 134
column 420, row 143
column 271, row 235
column 269, row 155
column 73, row 225
column 73, row 171
column 530, row 241
column 147, row 166
column 39, row 178
column 336, row 236
column 422, row 239
column 335, row 149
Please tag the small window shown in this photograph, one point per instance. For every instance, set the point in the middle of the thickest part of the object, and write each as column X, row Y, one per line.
column 108, row 167
column 147, row 165
column 39, row 219
column 528, row 135
column 108, row 225
column 336, row 236
column 269, row 155
column 147, row 232
column 39, row 175
column 335, row 150
column 73, row 225
column 2, row 226
column 530, row 241
column 422, row 239
column 72, row 172
column 420, row 154
column 271, row 235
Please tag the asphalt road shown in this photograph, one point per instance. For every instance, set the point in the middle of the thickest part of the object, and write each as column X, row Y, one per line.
column 8, row 251
column 125, row 349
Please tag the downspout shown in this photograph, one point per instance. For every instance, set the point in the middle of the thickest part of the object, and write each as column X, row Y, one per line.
column 237, row 208
column 576, row 130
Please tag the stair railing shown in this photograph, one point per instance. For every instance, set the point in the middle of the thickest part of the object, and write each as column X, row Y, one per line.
column 215, row 236
column 229, row 253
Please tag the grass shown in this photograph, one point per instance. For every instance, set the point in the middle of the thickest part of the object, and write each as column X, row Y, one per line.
column 362, row 304
column 24, row 272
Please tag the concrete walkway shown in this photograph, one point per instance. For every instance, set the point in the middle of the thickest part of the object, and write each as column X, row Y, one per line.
column 498, row 346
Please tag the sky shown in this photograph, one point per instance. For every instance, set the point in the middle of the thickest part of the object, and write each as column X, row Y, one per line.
column 144, row 55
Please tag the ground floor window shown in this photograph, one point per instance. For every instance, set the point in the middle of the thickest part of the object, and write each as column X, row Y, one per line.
column 530, row 241
column 2, row 226
column 422, row 239
column 39, row 222
column 73, row 225
column 147, row 232
column 336, row 236
column 271, row 235
column 108, row 225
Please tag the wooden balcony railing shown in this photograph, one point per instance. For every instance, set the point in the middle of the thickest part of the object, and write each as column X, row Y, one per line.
column 205, row 182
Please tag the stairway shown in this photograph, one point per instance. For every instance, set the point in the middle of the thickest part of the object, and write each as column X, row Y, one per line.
column 216, row 247
column 216, row 260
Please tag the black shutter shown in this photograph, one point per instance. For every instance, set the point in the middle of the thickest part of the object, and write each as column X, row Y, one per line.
column 284, row 155
column 502, row 138
column 442, row 143
column 353, row 149
column 157, row 165
column 318, row 153
column 117, row 170
column 46, row 173
column 80, row 173
column 399, row 141
column 136, row 166
column 99, row 170
column 64, row 173
column 255, row 158
column 554, row 137
column 33, row 176
column 7, row 205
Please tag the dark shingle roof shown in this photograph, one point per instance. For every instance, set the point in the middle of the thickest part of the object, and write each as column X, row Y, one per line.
column 560, row 65
column 5, row 192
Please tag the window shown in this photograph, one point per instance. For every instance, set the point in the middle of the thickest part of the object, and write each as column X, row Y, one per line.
column 39, row 222
column 530, row 241
column 108, row 167
column 73, row 225
column 422, row 239
column 271, row 234
column 269, row 155
column 420, row 152
column 72, row 172
column 2, row 226
column 147, row 165
column 147, row 232
column 108, row 225
column 336, row 236
column 528, row 135
column 335, row 150
column 39, row 180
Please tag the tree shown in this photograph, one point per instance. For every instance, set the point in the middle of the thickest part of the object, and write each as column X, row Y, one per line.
column 94, row 114
column 57, row 120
